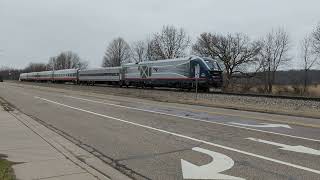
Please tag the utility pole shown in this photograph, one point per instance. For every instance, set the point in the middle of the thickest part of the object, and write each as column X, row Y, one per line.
column 53, row 65
column 9, row 75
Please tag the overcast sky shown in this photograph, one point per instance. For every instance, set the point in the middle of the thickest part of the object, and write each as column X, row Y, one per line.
column 34, row 30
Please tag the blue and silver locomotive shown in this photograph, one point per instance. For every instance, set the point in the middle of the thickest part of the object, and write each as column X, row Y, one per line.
column 173, row 73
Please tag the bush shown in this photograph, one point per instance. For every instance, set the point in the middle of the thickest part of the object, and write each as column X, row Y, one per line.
column 282, row 90
column 246, row 88
column 297, row 90
column 6, row 171
column 261, row 89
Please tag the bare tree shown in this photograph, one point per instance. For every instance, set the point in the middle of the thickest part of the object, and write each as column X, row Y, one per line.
column 236, row 51
column 35, row 67
column 150, row 55
column 9, row 73
column 316, row 40
column 139, row 51
column 67, row 60
column 117, row 53
column 276, row 46
column 170, row 43
column 52, row 63
column 206, row 45
column 309, row 58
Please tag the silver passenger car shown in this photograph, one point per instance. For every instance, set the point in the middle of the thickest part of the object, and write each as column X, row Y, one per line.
column 110, row 75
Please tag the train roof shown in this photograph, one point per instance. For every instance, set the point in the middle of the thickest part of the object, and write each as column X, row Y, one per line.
column 130, row 64
column 176, row 60
column 43, row 72
column 166, row 60
column 100, row 68
column 66, row 71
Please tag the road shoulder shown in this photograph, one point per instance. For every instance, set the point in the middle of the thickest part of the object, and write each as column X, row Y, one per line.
column 41, row 153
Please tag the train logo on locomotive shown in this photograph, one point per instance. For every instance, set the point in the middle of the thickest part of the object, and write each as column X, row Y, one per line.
column 145, row 71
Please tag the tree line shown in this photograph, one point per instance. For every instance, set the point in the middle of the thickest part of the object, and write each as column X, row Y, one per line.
column 238, row 54
column 170, row 43
column 64, row 60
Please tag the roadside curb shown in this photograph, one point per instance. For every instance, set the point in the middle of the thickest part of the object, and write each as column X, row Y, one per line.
column 77, row 155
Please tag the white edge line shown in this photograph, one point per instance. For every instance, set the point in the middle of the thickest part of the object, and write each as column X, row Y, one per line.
column 186, row 137
column 195, row 119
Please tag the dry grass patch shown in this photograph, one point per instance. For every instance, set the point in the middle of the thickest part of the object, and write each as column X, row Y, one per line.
column 6, row 171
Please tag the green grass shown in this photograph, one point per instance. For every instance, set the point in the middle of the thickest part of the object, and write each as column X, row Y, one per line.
column 6, row 171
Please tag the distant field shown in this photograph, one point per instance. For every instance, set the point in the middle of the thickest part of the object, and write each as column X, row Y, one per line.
column 312, row 90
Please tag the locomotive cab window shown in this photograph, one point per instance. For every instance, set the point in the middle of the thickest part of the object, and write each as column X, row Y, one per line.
column 212, row 64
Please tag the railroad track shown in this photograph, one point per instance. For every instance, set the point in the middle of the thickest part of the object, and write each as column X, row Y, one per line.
column 305, row 98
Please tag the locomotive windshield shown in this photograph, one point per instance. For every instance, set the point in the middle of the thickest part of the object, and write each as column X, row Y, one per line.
column 212, row 64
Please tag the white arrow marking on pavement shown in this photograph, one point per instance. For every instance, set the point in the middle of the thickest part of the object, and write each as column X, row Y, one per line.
column 300, row 149
column 263, row 125
column 212, row 170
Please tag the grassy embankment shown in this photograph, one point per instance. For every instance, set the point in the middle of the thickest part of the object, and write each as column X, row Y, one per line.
column 6, row 171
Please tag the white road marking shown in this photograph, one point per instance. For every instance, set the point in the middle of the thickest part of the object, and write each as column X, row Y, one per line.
column 263, row 125
column 186, row 137
column 195, row 119
column 212, row 170
column 300, row 149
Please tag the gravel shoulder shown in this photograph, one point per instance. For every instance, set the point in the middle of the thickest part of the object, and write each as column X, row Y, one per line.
column 303, row 108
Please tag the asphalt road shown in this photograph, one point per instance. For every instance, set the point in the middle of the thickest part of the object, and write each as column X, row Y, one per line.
column 175, row 141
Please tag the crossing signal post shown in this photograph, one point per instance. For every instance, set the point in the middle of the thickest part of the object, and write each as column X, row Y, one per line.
column 196, row 76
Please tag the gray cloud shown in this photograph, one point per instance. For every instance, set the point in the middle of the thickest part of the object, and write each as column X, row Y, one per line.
column 34, row 30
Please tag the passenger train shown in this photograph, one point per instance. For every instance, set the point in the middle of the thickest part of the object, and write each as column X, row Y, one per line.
column 172, row 73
